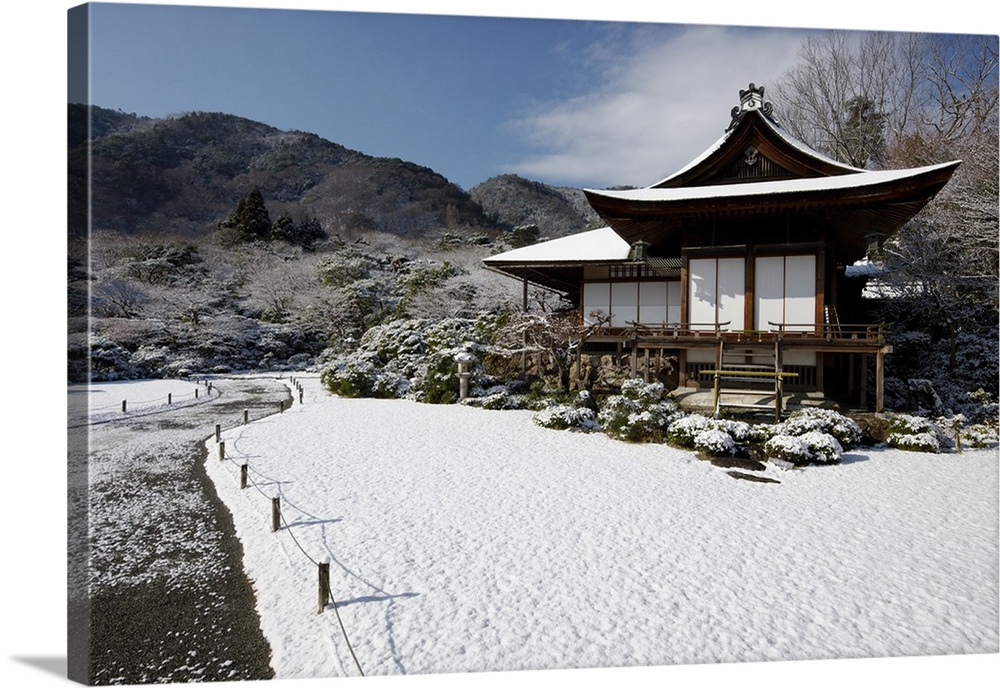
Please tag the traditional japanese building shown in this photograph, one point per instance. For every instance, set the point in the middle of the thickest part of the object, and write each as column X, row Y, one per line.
column 734, row 266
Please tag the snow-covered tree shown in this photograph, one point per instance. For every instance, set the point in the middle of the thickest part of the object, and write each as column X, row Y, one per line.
column 897, row 100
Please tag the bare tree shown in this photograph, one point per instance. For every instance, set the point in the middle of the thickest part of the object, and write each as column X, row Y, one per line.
column 905, row 100
column 852, row 95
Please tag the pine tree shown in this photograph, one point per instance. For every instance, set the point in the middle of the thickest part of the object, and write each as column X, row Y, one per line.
column 250, row 221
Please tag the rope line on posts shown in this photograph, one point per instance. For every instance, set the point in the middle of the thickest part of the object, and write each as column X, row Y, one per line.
column 325, row 593
column 128, row 410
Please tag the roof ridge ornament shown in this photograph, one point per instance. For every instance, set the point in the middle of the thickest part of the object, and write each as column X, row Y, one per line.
column 752, row 98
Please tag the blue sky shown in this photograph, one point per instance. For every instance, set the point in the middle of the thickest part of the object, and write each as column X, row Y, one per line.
column 573, row 101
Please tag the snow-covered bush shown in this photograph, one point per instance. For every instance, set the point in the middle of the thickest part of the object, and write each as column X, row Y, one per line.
column 736, row 429
column 708, row 436
column 714, row 442
column 823, row 447
column 846, row 431
column 809, row 447
column 412, row 358
column 904, row 424
column 979, row 435
column 109, row 361
column 760, row 433
column 362, row 375
column 913, row 433
column 638, row 414
column 682, row 431
column 498, row 398
column 918, row 442
column 567, row 417
column 789, row 448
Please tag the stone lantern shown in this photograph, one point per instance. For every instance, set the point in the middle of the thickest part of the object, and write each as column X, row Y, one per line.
column 464, row 361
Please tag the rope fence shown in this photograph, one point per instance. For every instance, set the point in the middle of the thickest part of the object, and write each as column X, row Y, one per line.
column 279, row 524
column 129, row 408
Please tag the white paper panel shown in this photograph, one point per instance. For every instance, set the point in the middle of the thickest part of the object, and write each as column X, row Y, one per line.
column 624, row 302
column 769, row 291
column 673, row 302
column 701, row 290
column 596, row 297
column 731, row 292
column 800, row 292
column 653, row 303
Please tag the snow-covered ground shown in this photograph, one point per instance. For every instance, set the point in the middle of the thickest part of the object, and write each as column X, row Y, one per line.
column 464, row 540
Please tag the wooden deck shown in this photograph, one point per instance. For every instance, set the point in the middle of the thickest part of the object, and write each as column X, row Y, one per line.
column 641, row 341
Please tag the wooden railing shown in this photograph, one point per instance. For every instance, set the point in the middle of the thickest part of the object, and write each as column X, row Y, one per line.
column 862, row 333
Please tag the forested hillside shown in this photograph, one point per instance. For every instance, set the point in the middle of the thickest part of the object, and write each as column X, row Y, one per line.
column 217, row 243
column 184, row 174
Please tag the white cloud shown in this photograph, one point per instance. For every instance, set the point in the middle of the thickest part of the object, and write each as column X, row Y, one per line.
column 663, row 95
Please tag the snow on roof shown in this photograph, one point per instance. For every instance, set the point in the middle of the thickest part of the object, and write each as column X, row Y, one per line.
column 864, row 268
column 861, row 178
column 791, row 140
column 594, row 245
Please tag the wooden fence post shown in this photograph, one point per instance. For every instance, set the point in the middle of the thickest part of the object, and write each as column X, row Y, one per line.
column 300, row 396
column 195, row 392
column 124, row 406
column 281, row 406
column 218, row 432
column 275, row 514
column 170, row 398
column 246, row 416
column 243, row 477
column 324, row 586
column 222, row 450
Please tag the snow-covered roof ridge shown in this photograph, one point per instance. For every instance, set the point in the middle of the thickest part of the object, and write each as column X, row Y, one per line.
column 752, row 101
column 858, row 179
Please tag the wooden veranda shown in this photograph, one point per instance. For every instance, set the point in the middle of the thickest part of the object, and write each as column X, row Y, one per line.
column 753, row 357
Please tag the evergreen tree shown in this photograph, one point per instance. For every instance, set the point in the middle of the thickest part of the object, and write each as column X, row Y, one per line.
column 306, row 233
column 250, row 221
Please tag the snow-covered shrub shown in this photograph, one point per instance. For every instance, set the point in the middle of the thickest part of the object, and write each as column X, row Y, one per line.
column 913, row 433
column 567, row 417
column 983, row 405
column 979, row 435
column 638, row 414
column 919, row 442
column 497, row 398
column 708, row 436
column 682, row 431
column 714, row 442
column 789, row 448
column 109, row 361
column 846, row 431
column 362, row 375
column 809, row 447
column 438, row 381
column 416, row 358
column 760, row 433
column 823, row 448
column 904, row 424
column 736, row 429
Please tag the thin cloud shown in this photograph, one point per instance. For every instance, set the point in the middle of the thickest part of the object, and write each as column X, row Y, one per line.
column 662, row 96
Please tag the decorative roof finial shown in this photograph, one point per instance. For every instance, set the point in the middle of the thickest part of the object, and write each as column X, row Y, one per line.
column 752, row 98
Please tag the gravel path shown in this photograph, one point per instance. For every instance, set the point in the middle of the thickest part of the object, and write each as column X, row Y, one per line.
column 168, row 597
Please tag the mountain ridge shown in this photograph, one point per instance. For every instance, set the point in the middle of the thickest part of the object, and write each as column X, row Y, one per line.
column 184, row 174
